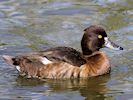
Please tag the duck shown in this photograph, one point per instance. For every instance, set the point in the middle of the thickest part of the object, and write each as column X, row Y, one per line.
column 67, row 62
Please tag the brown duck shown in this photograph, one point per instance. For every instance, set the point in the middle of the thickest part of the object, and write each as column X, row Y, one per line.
column 66, row 62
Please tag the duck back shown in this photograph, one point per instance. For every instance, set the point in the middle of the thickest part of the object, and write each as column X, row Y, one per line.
column 65, row 54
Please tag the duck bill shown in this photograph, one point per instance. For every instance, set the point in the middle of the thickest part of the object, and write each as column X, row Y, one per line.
column 111, row 45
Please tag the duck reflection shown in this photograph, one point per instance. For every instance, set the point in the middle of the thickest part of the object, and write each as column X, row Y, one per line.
column 92, row 89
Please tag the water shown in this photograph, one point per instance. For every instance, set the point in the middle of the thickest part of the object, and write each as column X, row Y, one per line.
column 32, row 25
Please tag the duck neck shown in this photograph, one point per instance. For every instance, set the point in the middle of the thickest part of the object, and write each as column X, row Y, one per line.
column 86, row 51
column 85, row 48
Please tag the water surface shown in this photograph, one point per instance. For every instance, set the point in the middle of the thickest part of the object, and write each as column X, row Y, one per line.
column 33, row 25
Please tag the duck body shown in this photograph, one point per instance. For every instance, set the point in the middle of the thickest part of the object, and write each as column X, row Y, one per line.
column 97, row 64
column 35, row 66
column 66, row 62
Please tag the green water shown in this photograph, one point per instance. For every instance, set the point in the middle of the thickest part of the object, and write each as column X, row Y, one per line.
column 32, row 25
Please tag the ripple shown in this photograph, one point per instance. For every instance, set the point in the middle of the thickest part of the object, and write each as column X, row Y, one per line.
column 68, row 25
column 4, row 23
column 104, row 2
column 69, row 11
column 60, row 5
column 126, row 29
column 6, row 1
column 2, row 15
column 18, row 22
column 8, row 23
column 7, row 8
column 130, row 37
column 130, row 12
column 17, row 15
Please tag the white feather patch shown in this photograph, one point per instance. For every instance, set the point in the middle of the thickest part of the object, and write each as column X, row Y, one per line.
column 45, row 61
column 18, row 68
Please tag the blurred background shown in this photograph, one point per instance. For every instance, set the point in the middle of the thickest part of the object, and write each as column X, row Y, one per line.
column 33, row 25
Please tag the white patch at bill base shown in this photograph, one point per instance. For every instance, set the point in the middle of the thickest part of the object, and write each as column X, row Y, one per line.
column 109, row 45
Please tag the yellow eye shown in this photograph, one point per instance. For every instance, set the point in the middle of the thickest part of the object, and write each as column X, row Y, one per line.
column 99, row 36
column 107, row 36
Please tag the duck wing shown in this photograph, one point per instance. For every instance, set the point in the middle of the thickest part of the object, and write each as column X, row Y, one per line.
column 65, row 54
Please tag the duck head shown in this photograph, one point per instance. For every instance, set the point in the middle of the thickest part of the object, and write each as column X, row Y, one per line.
column 95, row 38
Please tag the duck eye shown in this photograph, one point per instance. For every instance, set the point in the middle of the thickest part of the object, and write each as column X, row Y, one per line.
column 99, row 36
